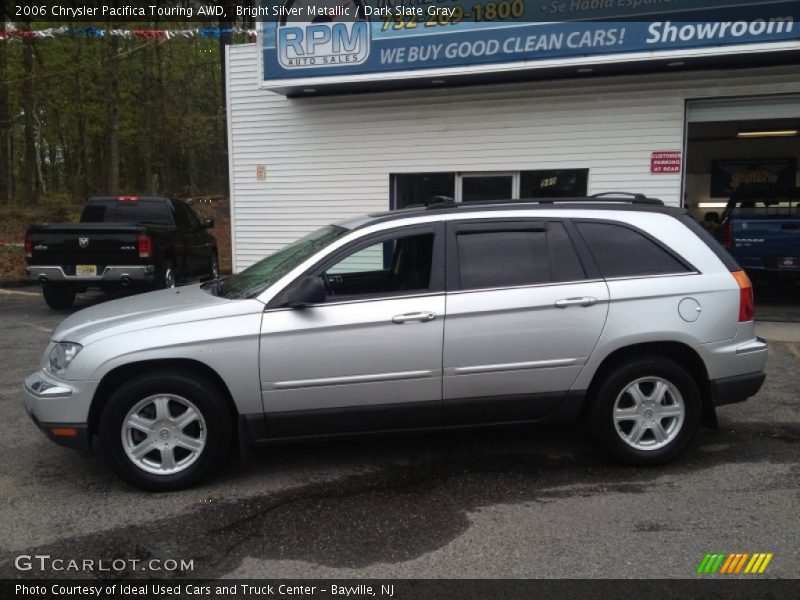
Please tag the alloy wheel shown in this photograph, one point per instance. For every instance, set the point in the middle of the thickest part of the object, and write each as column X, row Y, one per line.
column 164, row 434
column 649, row 413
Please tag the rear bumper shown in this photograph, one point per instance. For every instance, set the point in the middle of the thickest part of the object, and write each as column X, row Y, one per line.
column 731, row 390
column 111, row 273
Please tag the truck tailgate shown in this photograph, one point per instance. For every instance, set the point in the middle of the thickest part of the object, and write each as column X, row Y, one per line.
column 69, row 244
column 774, row 242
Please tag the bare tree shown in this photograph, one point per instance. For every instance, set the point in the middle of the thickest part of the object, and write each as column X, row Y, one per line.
column 112, row 132
column 31, row 155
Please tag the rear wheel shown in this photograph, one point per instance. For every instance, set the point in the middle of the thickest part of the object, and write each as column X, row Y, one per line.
column 646, row 411
column 165, row 431
column 166, row 278
column 213, row 269
column 58, row 295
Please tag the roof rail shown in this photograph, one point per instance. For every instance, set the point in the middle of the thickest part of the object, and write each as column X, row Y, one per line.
column 439, row 202
column 637, row 198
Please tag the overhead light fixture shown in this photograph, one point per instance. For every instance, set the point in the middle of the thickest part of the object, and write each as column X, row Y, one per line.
column 773, row 133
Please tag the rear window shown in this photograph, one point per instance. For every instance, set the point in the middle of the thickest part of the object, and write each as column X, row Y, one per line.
column 775, row 207
column 622, row 252
column 146, row 212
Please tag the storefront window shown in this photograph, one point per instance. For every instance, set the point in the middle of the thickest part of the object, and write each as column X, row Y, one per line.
column 556, row 183
column 409, row 189
column 418, row 188
column 475, row 188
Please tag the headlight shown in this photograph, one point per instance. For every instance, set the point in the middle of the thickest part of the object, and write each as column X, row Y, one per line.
column 61, row 355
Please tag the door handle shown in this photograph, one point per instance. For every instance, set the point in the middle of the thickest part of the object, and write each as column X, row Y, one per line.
column 422, row 317
column 586, row 301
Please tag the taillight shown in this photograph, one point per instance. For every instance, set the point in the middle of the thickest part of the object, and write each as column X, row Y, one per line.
column 128, row 198
column 727, row 235
column 145, row 246
column 747, row 305
column 28, row 246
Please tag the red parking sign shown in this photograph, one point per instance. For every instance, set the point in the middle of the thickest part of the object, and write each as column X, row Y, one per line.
column 665, row 162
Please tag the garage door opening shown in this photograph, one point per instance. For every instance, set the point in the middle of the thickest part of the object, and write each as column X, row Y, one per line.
column 736, row 145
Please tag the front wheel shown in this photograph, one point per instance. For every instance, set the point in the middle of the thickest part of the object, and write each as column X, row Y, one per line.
column 646, row 411
column 165, row 431
column 59, row 295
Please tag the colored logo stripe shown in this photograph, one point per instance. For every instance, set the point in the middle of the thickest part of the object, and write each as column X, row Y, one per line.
column 734, row 563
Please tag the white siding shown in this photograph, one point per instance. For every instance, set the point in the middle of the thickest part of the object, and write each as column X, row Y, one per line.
column 328, row 158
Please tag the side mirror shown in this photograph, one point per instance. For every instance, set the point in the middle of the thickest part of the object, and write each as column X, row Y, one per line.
column 208, row 223
column 309, row 290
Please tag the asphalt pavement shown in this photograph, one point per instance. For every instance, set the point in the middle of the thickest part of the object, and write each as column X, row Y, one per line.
column 527, row 502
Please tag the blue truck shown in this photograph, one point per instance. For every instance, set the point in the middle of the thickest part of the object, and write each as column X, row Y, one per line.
column 760, row 227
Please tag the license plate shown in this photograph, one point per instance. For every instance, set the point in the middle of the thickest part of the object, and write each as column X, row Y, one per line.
column 86, row 270
column 788, row 262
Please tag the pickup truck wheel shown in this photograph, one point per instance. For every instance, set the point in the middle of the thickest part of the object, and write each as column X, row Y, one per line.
column 214, row 268
column 647, row 411
column 166, row 276
column 165, row 431
column 58, row 295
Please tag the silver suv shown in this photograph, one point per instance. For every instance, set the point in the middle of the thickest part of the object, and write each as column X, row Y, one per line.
column 619, row 311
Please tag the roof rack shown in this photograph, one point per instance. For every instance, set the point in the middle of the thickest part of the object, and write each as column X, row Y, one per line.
column 439, row 202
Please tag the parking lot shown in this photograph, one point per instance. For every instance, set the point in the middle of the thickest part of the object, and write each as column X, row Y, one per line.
column 523, row 503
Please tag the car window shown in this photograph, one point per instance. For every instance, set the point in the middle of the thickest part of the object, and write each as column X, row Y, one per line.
column 191, row 219
column 398, row 265
column 622, row 252
column 513, row 257
column 112, row 210
column 775, row 206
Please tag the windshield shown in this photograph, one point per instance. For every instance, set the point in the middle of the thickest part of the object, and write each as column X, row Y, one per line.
column 775, row 206
column 258, row 277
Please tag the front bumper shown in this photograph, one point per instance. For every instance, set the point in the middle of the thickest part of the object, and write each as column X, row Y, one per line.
column 109, row 274
column 731, row 390
column 60, row 408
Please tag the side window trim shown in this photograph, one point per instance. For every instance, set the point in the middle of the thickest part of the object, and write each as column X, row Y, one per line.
column 585, row 255
column 690, row 268
column 437, row 266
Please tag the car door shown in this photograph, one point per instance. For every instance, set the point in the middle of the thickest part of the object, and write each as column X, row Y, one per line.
column 369, row 357
column 524, row 313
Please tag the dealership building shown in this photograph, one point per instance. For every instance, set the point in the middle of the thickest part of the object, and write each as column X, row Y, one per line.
column 336, row 118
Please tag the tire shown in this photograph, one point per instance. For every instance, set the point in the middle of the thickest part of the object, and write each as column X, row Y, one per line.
column 138, row 414
column 616, row 399
column 166, row 277
column 213, row 267
column 58, row 295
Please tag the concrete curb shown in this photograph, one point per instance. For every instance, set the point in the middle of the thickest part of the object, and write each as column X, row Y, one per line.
column 4, row 292
column 778, row 332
